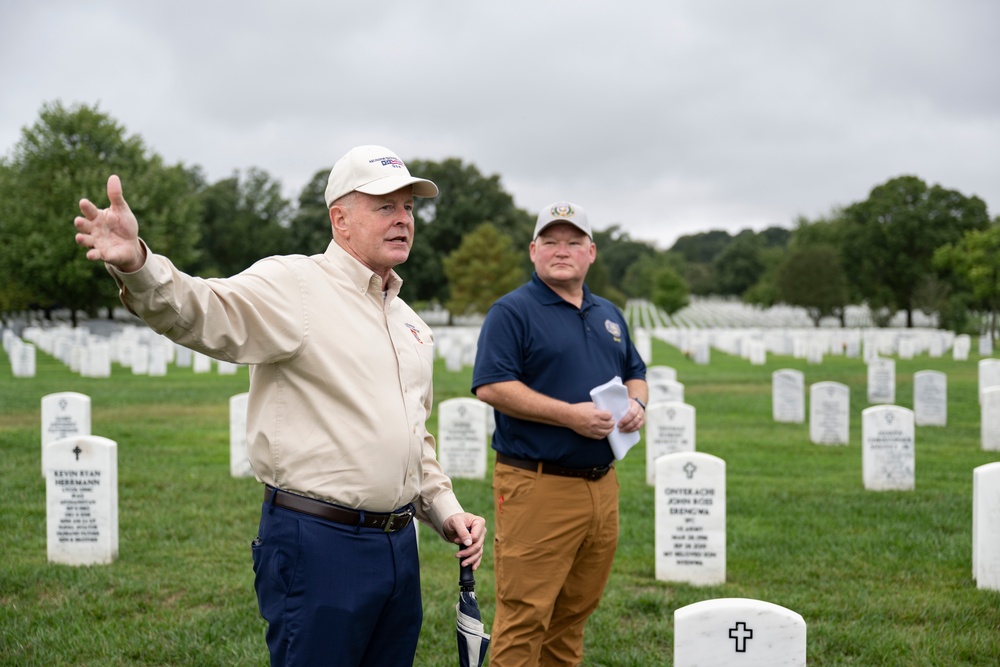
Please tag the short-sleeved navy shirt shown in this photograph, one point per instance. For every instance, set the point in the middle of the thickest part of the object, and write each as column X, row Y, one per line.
column 536, row 337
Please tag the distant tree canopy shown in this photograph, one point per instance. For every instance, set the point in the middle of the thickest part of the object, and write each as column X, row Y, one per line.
column 907, row 246
column 812, row 277
column 975, row 261
column 890, row 238
column 65, row 156
column 467, row 199
column 484, row 267
column 244, row 218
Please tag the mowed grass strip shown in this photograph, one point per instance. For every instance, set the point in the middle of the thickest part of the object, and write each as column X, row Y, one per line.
column 881, row 578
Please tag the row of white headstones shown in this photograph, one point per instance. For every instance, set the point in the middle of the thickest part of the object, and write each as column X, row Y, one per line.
column 690, row 492
column 690, row 535
column 137, row 348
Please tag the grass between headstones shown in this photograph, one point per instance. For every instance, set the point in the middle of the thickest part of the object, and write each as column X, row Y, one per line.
column 881, row 578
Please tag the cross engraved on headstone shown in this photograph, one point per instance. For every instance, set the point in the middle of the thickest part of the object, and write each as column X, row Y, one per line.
column 741, row 633
column 76, row 450
column 689, row 470
column 889, row 417
column 62, row 404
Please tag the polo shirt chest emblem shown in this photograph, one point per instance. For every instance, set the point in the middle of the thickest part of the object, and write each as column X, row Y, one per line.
column 415, row 331
column 613, row 329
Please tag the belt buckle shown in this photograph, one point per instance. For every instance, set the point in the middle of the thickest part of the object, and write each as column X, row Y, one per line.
column 404, row 515
column 595, row 474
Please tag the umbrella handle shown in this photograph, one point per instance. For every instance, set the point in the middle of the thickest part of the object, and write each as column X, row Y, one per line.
column 466, row 581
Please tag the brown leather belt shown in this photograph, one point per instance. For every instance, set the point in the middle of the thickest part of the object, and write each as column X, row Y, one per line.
column 592, row 474
column 390, row 522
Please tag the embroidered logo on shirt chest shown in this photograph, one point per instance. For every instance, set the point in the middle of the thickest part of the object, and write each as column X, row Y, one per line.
column 613, row 329
column 415, row 331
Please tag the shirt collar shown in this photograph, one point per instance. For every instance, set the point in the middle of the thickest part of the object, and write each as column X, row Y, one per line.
column 545, row 296
column 364, row 279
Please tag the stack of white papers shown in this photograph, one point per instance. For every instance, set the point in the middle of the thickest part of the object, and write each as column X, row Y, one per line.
column 613, row 397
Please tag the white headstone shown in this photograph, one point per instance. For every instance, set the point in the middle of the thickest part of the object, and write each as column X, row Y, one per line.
column 462, row 438
column 183, row 356
column 81, row 499
column 22, row 359
column 64, row 414
column 643, row 344
column 888, row 459
column 670, row 428
column 661, row 391
column 989, row 424
column 227, row 367
column 201, row 363
column 960, row 348
column 815, row 351
column 882, row 381
column 96, row 361
column 985, row 345
column 986, row 526
column 140, row 359
column 690, row 510
column 239, row 463
column 829, row 413
column 788, row 402
column 731, row 632
column 989, row 375
column 157, row 360
column 660, row 373
column 930, row 398
column 702, row 353
column 453, row 358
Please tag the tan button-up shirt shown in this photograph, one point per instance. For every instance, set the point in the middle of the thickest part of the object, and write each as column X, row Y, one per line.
column 340, row 375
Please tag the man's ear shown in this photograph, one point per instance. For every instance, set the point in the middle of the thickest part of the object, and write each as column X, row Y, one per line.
column 338, row 221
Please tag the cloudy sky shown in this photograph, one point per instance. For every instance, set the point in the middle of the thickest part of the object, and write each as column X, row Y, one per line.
column 666, row 118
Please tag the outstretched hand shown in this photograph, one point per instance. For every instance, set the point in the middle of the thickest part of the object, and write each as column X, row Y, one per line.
column 110, row 234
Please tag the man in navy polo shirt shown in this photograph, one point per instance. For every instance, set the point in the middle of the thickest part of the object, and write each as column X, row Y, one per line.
column 542, row 348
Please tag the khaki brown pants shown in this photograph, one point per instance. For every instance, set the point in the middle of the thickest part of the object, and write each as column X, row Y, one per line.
column 554, row 544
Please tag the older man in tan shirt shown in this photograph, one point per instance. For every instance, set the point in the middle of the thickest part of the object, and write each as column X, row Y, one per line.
column 340, row 390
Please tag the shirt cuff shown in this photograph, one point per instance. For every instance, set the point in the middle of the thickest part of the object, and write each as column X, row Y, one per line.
column 445, row 505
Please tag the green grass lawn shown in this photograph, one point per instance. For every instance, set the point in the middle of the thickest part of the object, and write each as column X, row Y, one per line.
column 881, row 578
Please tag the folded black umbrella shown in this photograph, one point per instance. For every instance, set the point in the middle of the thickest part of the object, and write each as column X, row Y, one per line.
column 473, row 642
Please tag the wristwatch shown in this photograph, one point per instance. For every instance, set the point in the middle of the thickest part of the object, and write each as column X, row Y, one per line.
column 641, row 404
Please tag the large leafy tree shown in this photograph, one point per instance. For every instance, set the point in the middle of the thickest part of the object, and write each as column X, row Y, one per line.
column 245, row 219
column 813, row 278
column 618, row 255
column 891, row 237
column 974, row 259
column 670, row 292
column 484, row 267
column 67, row 155
column 309, row 230
column 740, row 265
column 703, row 247
column 467, row 199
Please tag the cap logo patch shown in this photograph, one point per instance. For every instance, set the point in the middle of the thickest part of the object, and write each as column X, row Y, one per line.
column 390, row 161
column 562, row 211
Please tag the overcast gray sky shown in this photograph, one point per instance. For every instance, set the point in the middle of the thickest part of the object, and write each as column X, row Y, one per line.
column 667, row 117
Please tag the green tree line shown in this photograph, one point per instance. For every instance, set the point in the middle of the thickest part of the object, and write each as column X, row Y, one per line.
column 908, row 246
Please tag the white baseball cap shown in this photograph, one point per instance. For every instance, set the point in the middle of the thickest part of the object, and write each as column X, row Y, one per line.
column 563, row 211
column 374, row 170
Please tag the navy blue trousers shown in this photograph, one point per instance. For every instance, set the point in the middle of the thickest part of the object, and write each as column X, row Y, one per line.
column 336, row 595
